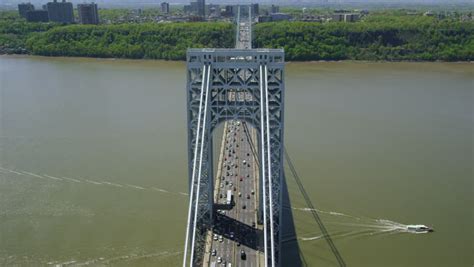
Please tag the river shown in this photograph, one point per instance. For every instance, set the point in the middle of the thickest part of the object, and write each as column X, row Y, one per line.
column 93, row 161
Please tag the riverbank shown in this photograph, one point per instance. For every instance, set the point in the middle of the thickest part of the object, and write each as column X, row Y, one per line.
column 387, row 37
column 178, row 62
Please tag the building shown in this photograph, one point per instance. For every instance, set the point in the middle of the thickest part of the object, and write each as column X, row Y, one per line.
column 274, row 17
column 345, row 17
column 264, row 18
column 201, row 8
column 213, row 10
column 60, row 11
column 88, row 13
column 275, row 9
column 37, row 16
column 255, row 10
column 165, row 8
column 351, row 17
column 229, row 11
column 337, row 17
column 279, row 16
column 197, row 8
column 25, row 7
column 311, row 18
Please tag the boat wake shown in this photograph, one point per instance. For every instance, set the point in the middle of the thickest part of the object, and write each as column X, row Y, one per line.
column 103, row 261
column 5, row 172
column 363, row 226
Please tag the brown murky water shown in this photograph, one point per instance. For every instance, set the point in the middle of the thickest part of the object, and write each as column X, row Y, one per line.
column 93, row 158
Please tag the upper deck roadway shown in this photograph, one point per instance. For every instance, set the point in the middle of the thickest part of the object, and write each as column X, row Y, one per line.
column 236, row 237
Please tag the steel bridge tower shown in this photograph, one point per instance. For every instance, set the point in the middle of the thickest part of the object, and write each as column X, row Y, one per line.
column 235, row 84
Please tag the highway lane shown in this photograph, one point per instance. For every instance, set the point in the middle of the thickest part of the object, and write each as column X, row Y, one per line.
column 238, row 174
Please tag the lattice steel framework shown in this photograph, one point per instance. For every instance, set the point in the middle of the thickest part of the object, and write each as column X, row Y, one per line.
column 232, row 84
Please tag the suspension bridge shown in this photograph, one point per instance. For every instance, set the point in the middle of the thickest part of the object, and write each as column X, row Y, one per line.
column 236, row 214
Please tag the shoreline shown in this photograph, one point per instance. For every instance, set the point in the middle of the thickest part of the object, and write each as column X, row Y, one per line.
column 288, row 62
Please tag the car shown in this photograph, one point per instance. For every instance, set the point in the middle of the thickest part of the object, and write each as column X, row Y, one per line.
column 221, row 196
column 244, row 161
column 231, row 234
column 241, row 179
column 248, row 154
column 221, row 239
column 244, row 206
column 226, row 182
column 240, row 194
column 238, row 244
column 248, row 175
column 215, row 237
column 243, row 256
column 219, row 259
column 214, row 252
column 248, row 196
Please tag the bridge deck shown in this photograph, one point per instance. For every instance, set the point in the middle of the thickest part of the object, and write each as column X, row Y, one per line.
column 236, row 227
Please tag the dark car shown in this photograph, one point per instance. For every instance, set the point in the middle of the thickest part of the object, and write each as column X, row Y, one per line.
column 243, row 256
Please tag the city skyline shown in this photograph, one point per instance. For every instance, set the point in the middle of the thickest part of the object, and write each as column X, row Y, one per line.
column 280, row 2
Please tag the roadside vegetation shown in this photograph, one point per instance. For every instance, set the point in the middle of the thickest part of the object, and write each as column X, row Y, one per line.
column 149, row 41
column 378, row 37
column 387, row 35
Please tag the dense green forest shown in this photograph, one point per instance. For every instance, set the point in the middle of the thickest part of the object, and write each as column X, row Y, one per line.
column 14, row 32
column 375, row 38
column 382, row 36
column 150, row 41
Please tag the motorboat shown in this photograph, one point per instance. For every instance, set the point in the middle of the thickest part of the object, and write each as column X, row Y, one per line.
column 419, row 228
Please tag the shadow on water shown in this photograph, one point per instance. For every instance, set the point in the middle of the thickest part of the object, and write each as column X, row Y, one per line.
column 291, row 254
column 313, row 210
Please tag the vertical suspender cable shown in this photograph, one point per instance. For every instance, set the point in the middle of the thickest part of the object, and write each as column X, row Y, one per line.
column 270, row 178
column 188, row 229
column 203, row 133
column 262, row 137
